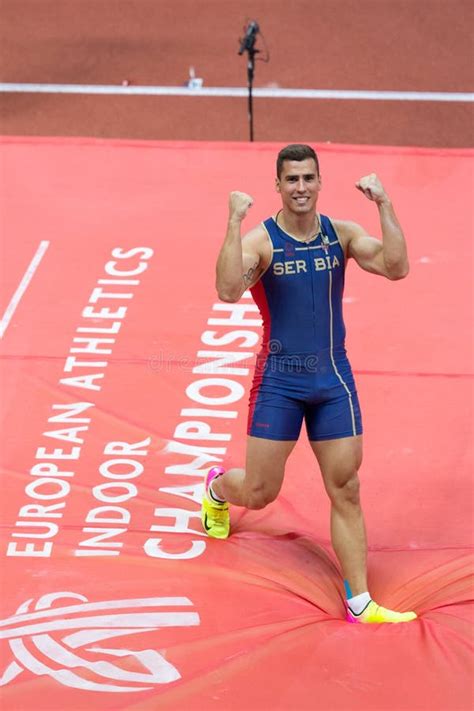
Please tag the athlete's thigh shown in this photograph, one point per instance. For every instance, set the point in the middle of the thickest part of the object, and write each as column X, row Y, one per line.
column 265, row 464
column 338, row 459
column 276, row 406
column 336, row 417
column 335, row 412
column 276, row 415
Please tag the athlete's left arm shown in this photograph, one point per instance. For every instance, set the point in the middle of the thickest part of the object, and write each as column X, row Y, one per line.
column 388, row 257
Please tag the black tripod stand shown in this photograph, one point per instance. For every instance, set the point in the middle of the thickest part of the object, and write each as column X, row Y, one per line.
column 250, row 73
column 248, row 45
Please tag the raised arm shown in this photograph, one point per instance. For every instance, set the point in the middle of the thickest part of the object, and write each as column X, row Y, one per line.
column 239, row 261
column 388, row 257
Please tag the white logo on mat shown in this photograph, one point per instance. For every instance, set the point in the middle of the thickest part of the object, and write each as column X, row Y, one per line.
column 32, row 645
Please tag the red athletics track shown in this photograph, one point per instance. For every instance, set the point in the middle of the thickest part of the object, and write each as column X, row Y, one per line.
column 121, row 602
column 273, row 635
column 406, row 45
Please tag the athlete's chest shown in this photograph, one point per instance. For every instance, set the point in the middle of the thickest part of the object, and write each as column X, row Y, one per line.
column 306, row 262
column 300, row 266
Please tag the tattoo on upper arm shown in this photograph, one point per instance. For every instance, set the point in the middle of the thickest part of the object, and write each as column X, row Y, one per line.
column 250, row 275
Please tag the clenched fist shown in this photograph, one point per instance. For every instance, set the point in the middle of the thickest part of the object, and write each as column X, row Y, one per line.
column 372, row 188
column 239, row 204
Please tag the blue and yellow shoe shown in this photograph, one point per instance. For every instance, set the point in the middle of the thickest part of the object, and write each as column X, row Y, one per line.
column 214, row 515
column 375, row 614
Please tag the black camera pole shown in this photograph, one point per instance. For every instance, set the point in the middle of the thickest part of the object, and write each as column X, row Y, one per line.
column 247, row 44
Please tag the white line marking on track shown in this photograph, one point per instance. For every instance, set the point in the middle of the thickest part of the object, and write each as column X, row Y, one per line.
column 222, row 91
column 22, row 287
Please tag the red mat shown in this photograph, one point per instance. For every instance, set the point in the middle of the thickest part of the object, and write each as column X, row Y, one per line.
column 112, row 597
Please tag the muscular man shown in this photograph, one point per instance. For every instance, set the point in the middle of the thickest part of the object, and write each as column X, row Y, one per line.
column 294, row 263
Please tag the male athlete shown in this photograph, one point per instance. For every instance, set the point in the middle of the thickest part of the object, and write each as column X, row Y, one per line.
column 294, row 263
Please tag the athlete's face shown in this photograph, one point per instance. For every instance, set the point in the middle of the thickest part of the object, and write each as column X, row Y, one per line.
column 299, row 185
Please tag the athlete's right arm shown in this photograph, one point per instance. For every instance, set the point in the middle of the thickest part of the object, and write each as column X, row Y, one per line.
column 238, row 263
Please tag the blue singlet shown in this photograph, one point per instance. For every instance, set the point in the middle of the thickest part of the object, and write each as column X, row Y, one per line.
column 302, row 369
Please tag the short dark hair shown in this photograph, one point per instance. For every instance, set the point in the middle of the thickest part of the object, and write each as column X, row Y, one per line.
column 295, row 151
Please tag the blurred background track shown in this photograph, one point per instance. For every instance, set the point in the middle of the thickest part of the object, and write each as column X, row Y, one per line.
column 404, row 45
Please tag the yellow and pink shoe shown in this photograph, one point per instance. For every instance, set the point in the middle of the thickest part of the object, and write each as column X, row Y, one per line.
column 375, row 614
column 214, row 515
